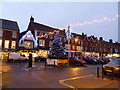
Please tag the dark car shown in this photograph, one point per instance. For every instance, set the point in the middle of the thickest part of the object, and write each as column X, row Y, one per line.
column 90, row 60
column 75, row 61
column 40, row 58
column 112, row 67
column 103, row 60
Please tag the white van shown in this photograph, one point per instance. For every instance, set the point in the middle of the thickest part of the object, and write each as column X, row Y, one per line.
column 13, row 56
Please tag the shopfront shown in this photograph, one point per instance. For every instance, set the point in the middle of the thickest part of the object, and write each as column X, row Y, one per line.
column 91, row 54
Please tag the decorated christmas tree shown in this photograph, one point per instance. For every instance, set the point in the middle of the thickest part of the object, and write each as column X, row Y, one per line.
column 56, row 50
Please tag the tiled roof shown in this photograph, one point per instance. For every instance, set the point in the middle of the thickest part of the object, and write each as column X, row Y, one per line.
column 8, row 24
column 41, row 27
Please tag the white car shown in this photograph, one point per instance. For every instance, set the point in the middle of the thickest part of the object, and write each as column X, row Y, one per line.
column 13, row 56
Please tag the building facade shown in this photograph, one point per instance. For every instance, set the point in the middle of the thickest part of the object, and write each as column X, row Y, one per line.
column 43, row 35
column 9, row 36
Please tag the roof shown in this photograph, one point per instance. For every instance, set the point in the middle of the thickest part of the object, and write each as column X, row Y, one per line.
column 41, row 27
column 8, row 24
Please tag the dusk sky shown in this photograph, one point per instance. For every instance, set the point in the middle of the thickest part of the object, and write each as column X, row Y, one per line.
column 60, row 14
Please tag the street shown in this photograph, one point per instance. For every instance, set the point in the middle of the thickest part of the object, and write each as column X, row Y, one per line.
column 40, row 76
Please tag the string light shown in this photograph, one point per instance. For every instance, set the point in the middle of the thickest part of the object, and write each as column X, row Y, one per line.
column 105, row 19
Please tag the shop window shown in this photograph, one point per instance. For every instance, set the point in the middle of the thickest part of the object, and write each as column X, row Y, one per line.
column 1, row 32
column 6, row 44
column 14, row 34
column 0, row 43
column 13, row 44
column 29, row 44
column 41, row 42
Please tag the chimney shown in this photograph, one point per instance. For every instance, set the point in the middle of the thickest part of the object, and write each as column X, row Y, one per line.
column 101, row 39
column 32, row 19
column 82, row 34
column 110, row 40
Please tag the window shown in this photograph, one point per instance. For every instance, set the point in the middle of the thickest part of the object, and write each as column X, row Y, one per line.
column 41, row 42
column 51, row 36
column 40, row 34
column 72, row 36
column 72, row 40
column 78, row 47
column 13, row 45
column 28, row 44
column 60, row 38
column 1, row 32
column 14, row 34
column 67, row 46
column 6, row 44
column 54, row 36
column 73, row 47
column 57, row 33
column 65, row 39
column 0, row 43
column 79, row 42
column 28, row 36
column 50, row 43
column 46, row 36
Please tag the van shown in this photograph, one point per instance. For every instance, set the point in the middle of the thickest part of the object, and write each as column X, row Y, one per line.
column 13, row 56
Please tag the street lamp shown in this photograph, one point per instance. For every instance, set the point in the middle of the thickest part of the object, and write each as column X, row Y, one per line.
column 76, row 39
column 68, row 37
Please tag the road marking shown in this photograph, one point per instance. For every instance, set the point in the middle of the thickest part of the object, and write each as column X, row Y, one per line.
column 70, row 86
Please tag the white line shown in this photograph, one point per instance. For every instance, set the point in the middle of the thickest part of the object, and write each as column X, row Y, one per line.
column 70, row 86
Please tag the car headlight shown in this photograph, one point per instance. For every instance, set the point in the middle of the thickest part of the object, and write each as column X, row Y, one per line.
column 116, row 68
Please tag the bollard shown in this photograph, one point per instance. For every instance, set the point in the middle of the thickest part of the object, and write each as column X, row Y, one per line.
column 102, row 71
column 30, row 61
column 45, row 63
column 54, row 63
column 98, row 72
column 112, row 74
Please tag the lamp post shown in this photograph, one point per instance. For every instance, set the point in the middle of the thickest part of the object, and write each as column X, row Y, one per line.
column 68, row 37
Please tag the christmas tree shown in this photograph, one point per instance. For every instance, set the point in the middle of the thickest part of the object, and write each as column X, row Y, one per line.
column 56, row 50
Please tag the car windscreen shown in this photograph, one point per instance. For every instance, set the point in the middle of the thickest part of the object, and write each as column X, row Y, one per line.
column 114, row 62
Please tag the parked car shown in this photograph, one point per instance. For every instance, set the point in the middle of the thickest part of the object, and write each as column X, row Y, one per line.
column 14, row 56
column 40, row 58
column 103, row 60
column 112, row 67
column 90, row 60
column 75, row 61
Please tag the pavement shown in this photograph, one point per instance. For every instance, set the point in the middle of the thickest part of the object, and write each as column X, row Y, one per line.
column 93, row 82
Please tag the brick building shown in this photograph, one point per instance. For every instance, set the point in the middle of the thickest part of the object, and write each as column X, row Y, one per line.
column 9, row 36
column 44, row 35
